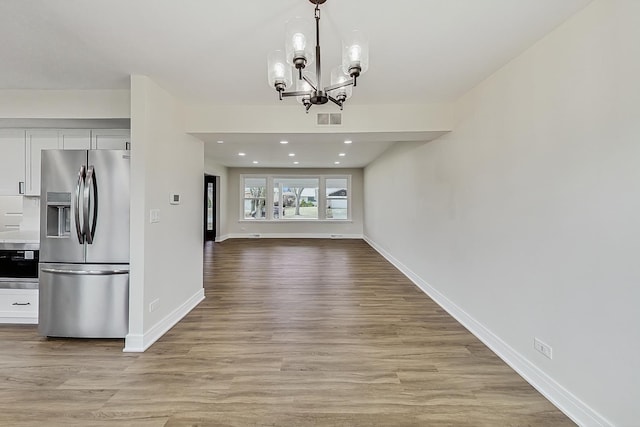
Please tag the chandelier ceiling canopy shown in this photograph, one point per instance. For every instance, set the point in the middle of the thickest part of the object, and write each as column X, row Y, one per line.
column 300, row 54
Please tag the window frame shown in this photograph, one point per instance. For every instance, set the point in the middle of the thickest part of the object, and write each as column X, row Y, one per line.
column 322, row 197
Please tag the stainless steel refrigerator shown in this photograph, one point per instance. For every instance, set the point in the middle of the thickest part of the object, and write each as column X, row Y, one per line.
column 84, row 244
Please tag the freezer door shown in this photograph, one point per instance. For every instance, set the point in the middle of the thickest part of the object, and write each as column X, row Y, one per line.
column 83, row 301
column 61, row 189
column 107, row 191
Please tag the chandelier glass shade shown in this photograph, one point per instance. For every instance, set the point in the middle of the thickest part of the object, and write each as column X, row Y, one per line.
column 355, row 53
column 279, row 72
column 285, row 66
column 298, row 44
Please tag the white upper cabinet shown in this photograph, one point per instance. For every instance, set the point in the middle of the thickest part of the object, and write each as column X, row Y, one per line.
column 74, row 139
column 20, row 152
column 111, row 139
column 11, row 162
column 37, row 140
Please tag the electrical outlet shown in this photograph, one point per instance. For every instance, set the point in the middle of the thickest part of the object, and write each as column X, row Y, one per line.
column 153, row 305
column 543, row 348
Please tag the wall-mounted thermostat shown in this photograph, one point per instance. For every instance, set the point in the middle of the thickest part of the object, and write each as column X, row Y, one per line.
column 174, row 199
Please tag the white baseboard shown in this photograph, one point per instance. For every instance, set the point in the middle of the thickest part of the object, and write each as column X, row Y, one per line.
column 222, row 238
column 138, row 343
column 562, row 398
column 294, row 236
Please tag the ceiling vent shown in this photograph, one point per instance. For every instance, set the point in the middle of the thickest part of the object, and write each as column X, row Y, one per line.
column 329, row 119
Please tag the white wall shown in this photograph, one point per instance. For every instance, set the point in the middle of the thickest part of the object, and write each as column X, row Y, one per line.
column 56, row 104
column 238, row 228
column 282, row 118
column 166, row 257
column 524, row 221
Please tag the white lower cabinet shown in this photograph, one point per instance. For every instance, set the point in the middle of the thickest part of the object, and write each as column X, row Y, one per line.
column 19, row 306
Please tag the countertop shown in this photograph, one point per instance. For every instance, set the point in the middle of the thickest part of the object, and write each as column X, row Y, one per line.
column 21, row 237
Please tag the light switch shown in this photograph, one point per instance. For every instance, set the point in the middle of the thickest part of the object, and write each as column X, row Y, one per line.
column 154, row 216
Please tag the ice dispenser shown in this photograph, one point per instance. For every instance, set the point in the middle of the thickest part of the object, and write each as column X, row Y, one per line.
column 58, row 214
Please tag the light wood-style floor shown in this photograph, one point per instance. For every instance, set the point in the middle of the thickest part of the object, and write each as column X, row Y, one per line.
column 292, row 333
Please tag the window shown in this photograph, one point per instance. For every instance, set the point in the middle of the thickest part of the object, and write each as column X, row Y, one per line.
column 337, row 201
column 255, row 198
column 296, row 198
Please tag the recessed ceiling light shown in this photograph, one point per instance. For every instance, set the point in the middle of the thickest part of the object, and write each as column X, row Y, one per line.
column 348, row 141
column 255, row 162
column 242, row 154
column 284, row 142
column 220, row 142
column 295, row 163
column 292, row 154
column 336, row 163
column 342, row 154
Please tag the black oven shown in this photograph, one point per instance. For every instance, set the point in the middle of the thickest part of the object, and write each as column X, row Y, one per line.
column 18, row 265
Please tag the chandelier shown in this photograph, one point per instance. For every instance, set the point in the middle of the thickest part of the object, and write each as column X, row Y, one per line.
column 299, row 54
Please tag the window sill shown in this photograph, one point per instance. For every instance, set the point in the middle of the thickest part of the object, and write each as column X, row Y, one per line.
column 289, row 221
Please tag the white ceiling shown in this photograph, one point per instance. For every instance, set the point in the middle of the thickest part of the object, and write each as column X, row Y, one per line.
column 214, row 52
column 310, row 150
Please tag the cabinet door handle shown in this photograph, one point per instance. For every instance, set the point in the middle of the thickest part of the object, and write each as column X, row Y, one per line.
column 21, row 303
column 21, row 187
column 127, row 145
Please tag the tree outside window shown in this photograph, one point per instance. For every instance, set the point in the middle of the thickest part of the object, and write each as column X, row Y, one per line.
column 297, row 196
column 255, row 198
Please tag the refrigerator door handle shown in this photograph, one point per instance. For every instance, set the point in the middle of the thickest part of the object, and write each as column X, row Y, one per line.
column 93, row 185
column 90, row 230
column 79, row 230
column 85, row 208
column 84, row 272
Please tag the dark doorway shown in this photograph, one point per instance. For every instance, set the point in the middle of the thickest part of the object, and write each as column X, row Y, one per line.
column 210, row 207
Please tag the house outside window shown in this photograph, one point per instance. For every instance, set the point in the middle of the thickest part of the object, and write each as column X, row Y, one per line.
column 337, row 200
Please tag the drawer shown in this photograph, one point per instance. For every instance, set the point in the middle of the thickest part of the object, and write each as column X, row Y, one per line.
column 18, row 306
column 10, row 212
